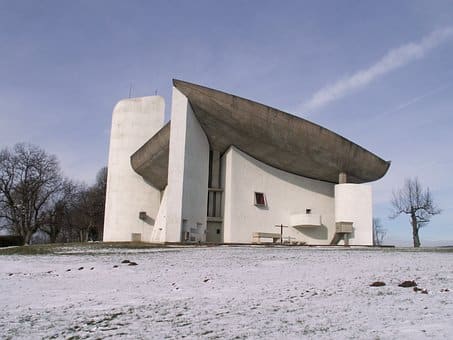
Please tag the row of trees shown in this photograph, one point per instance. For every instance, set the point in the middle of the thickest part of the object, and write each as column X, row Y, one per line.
column 36, row 197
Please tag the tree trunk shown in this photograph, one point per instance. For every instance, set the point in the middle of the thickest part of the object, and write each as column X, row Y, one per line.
column 27, row 237
column 53, row 236
column 415, row 236
column 83, row 235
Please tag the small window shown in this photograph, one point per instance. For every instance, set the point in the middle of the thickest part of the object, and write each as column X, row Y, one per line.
column 260, row 200
column 308, row 211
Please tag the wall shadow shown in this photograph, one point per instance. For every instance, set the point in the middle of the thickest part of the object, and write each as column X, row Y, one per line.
column 317, row 233
column 149, row 220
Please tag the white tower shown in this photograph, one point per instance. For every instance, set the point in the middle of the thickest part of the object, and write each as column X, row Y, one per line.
column 134, row 121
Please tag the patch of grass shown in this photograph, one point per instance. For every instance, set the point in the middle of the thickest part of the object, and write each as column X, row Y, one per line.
column 97, row 248
column 447, row 249
column 88, row 248
column 28, row 250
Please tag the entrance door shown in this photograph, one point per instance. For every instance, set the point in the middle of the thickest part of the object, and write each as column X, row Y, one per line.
column 214, row 232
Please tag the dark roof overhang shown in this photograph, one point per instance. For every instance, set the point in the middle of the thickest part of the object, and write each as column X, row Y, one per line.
column 281, row 140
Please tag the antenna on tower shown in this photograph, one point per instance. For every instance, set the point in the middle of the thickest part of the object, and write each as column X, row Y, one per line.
column 155, row 92
column 130, row 90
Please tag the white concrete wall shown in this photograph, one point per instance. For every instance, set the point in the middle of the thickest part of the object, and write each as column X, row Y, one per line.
column 160, row 226
column 134, row 121
column 188, row 172
column 353, row 203
column 226, row 182
column 286, row 195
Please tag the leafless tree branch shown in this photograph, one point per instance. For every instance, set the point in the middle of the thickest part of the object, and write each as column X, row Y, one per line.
column 416, row 202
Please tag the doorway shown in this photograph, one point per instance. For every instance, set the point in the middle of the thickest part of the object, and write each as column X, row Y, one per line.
column 214, row 232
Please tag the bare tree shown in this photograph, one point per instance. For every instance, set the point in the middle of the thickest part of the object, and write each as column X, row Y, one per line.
column 77, row 214
column 58, row 215
column 29, row 179
column 416, row 202
column 72, row 216
column 101, row 191
column 378, row 232
column 91, row 208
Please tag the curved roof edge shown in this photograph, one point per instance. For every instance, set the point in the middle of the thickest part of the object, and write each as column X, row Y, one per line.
column 279, row 139
column 274, row 137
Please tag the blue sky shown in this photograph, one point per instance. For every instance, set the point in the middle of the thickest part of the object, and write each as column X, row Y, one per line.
column 378, row 72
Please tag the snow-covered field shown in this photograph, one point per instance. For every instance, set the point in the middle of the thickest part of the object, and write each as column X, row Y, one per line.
column 227, row 292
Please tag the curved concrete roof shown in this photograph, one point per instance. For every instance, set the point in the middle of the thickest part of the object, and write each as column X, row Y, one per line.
column 274, row 137
column 151, row 160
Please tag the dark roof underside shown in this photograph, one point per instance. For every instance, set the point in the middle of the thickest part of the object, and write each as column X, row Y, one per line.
column 274, row 137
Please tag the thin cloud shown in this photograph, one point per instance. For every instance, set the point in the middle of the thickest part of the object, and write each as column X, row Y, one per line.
column 415, row 100
column 393, row 59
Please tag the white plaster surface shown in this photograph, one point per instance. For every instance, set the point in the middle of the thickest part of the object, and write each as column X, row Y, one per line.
column 160, row 226
column 188, row 172
column 134, row 121
column 286, row 195
column 353, row 203
column 226, row 293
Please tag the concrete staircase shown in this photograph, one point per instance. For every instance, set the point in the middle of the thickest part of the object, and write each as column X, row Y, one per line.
column 343, row 231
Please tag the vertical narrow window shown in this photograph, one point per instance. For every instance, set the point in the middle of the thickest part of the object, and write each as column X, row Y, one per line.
column 260, row 200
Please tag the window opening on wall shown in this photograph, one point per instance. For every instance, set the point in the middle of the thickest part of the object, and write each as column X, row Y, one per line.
column 308, row 211
column 260, row 199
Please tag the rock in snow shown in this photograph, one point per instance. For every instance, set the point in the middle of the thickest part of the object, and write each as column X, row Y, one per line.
column 407, row 284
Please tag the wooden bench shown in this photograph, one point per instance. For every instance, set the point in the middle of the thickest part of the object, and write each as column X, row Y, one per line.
column 257, row 236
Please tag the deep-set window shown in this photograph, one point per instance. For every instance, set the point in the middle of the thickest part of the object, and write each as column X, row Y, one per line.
column 260, row 200
column 308, row 211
